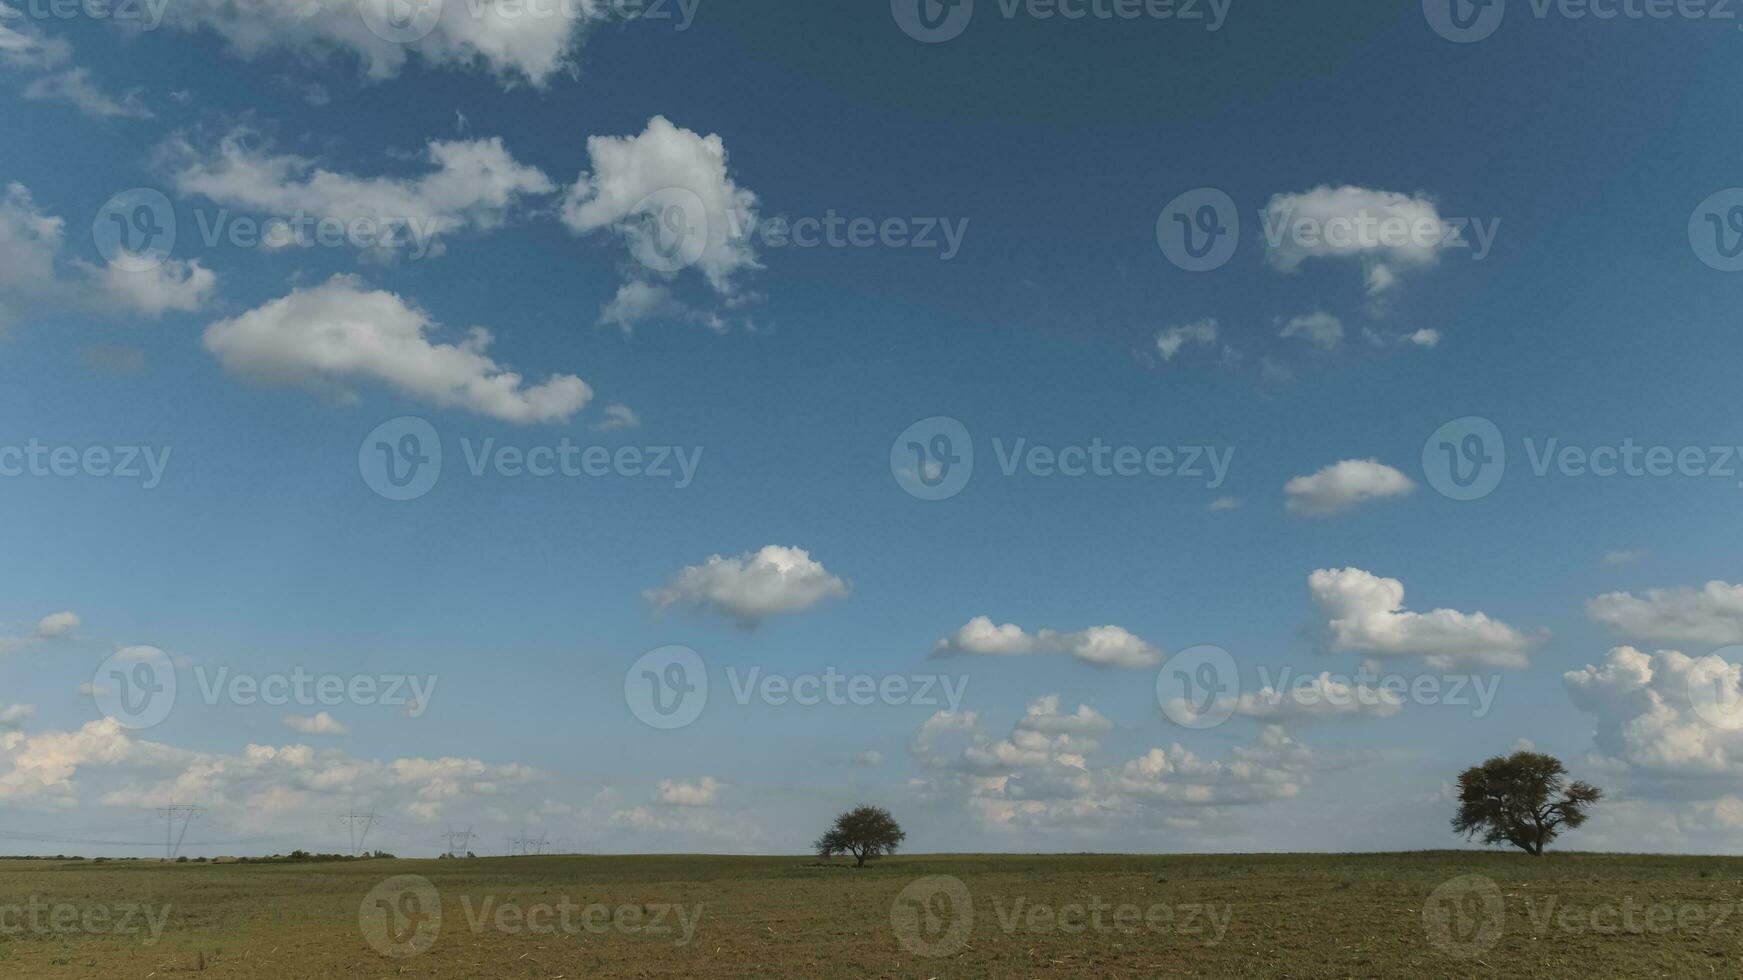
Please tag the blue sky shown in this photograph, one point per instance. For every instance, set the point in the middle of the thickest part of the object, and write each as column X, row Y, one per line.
column 1054, row 148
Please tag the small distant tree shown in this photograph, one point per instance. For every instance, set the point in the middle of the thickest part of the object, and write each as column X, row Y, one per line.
column 864, row 832
column 1522, row 799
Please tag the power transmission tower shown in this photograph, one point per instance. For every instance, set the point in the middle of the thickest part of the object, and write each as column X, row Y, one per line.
column 458, row 840
column 172, row 841
column 354, row 821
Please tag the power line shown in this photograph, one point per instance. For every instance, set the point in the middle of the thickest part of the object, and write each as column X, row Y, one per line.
column 354, row 821
column 185, row 812
column 458, row 840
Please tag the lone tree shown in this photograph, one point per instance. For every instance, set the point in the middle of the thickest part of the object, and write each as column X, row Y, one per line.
column 864, row 832
column 1521, row 799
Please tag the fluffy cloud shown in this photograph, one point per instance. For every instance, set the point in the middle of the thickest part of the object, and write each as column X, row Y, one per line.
column 1320, row 329
column 1711, row 616
column 1104, row 646
column 514, row 42
column 1387, row 232
column 639, row 186
column 640, row 302
column 702, row 792
column 1044, row 774
column 13, row 716
column 55, row 626
column 320, row 723
column 1675, row 720
column 472, row 184
column 30, row 244
column 753, row 586
column 333, row 335
column 1342, row 486
column 617, row 418
column 75, row 88
column 267, row 782
column 1368, row 616
column 22, row 46
column 1170, row 341
column 172, row 285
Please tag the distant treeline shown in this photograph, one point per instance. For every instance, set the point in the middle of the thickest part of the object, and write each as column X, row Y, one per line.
column 294, row 857
column 305, row 857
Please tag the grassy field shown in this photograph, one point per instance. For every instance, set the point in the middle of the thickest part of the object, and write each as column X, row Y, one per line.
column 1442, row 914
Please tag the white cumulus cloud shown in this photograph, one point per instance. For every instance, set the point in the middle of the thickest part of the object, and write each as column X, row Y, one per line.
column 1388, row 232
column 1710, row 616
column 1104, row 646
column 1368, row 616
column 320, row 723
column 340, row 333
column 631, row 182
column 1344, row 485
column 753, row 586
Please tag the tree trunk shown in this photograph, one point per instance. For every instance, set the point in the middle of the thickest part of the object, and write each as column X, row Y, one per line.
column 858, row 860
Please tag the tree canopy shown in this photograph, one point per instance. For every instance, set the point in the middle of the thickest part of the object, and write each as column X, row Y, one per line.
column 865, row 832
column 1522, row 799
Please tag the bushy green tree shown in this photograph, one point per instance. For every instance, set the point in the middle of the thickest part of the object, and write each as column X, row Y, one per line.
column 1523, row 799
column 865, row 832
